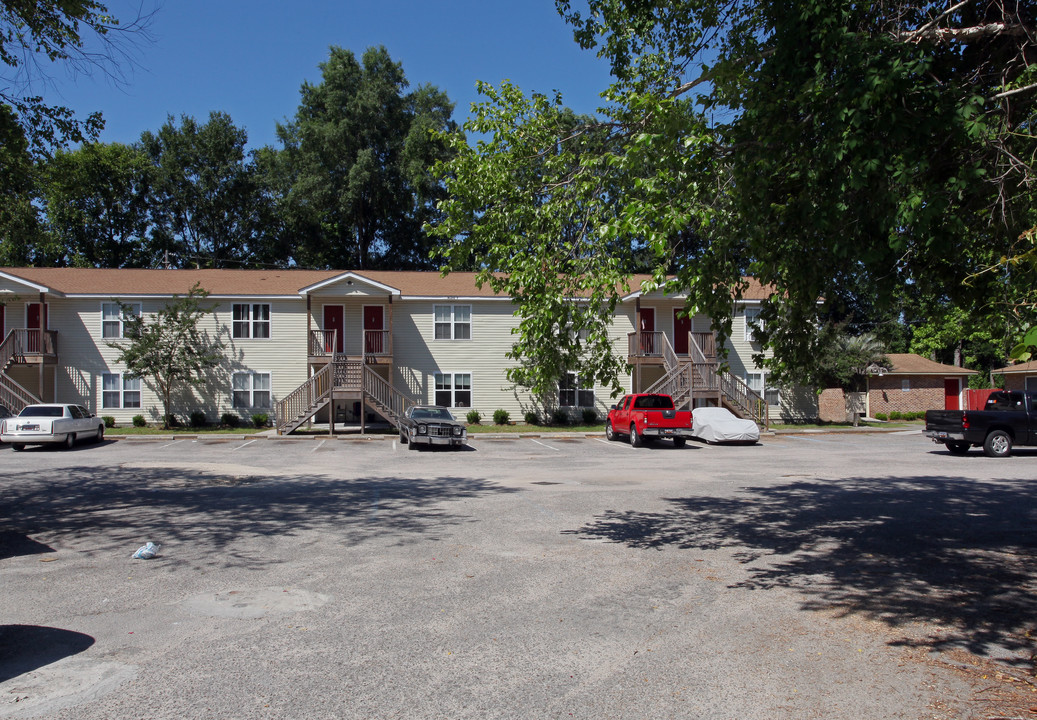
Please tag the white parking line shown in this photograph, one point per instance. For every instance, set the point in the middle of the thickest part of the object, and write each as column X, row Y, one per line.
column 175, row 442
column 245, row 445
column 547, row 446
column 318, row 447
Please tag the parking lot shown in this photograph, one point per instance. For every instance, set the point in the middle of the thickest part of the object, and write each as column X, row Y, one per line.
column 814, row 575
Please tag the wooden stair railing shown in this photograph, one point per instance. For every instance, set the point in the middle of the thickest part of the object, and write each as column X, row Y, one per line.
column 12, row 395
column 387, row 400
column 744, row 399
column 305, row 400
column 677, row 382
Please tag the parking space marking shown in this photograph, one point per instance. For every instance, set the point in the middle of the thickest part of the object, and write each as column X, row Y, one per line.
column 175, row 442
column 547, row 446
column 319, row 446
column 245, row 445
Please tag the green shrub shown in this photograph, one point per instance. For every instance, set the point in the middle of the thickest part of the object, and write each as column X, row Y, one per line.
column 230, row 420
column 139, row 421
column 501, row 416
column 198, row 419
column 559, row 417
column 896, row 415
column 881, row 416
column 532, row 418
column 473, row 417
column 590, row 416
column 173, row 421
column 109, row 421
column 260, row 420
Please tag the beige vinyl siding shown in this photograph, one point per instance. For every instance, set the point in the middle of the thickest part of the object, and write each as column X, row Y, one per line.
column 84, row 356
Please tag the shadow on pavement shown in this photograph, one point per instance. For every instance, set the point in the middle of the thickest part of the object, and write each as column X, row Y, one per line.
column 24, row 648
column 952, row 552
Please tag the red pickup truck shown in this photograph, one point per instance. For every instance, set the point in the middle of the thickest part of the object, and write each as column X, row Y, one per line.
column 644, row 417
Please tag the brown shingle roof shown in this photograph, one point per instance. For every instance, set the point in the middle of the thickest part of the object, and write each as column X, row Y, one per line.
column 911, row 364
column 1025, row 368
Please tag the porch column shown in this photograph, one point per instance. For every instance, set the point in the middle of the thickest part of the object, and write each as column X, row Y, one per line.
column 637, row 345
column 42, row 346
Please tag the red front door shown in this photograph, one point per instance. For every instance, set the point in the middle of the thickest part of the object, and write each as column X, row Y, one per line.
column 951, row 389
column 648, row 331
column 334, row 319
column 35, row 319
column 374, row 318
column 681, row 330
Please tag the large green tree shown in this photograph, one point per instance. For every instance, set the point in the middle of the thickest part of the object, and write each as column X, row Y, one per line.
column 355, row 169
column 97, row 205
column 800, row 143
column 207, row 208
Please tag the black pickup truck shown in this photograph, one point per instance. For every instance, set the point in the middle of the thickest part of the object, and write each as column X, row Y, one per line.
column 1009, row 418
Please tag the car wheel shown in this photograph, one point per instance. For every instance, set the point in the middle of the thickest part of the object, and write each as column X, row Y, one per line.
column 998, row 444
column 18, row 447
column 957, row 448
column 100, row 434
column 610, row 432
column 635, row 439
column 70, row 440
column 679, row 442
column 412, row 446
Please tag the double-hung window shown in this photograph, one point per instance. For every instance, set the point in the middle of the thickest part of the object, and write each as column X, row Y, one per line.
column 251, row 390
column 114, row 316
column 753, row 324
column 453, row 322
column 119, row 390
column 453, row 389
column 251, row 320
column 575, row 392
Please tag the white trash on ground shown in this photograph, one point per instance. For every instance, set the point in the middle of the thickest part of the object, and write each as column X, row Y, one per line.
column 146, row 551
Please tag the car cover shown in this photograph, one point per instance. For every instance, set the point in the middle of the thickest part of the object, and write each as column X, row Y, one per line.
column 714, row 424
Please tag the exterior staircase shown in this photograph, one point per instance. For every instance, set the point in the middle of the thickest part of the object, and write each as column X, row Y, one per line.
column 13, row 349
column 701, row 374
column 340, row 374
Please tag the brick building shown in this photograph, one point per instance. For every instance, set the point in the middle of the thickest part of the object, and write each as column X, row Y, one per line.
column 1021, row 376
column 916, row 384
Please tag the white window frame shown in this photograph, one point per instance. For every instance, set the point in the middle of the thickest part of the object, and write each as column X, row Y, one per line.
column 905, row 384
column 764, row 390
column 578, row 392
column 250, row 322
column 752, row 318
column 452, row 389
column 119, row 321
column 127, row 386
column 452, row 324
column 251, row 390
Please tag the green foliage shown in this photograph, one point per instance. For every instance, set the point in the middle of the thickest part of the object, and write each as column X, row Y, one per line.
column 473, row 417
column 97, row 204
column 354, row 174
column 532, row 418
column 169, row 351
column 501, row 416
column 590, row 416
column 197, row 418
column 896, row 415
column 826, row 143
column 560, row 417
column 231, row 420
column 109, row 421
column 846, row 360
column 1027, row 347
column 260, row 420
column 139, row 421
column 207, row 208
column 881, row 416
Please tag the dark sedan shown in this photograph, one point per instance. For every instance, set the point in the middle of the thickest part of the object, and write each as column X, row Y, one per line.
column 431, row 425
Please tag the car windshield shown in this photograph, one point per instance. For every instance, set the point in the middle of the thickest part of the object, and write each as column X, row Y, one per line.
column 431, row 414
column 42, row 411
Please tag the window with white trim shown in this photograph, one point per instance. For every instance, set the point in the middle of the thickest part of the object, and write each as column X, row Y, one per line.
column 114, row 317
column 573, row 392
column 757, row 382
column 251, row 320
column 753, row 324
column 120, row 390
column 251, row 390
column 453, row 389
column 453, row 322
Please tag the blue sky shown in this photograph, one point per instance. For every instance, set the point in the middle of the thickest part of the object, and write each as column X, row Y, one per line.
column 250, row 59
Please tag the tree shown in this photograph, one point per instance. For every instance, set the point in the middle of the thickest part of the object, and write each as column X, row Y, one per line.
column 97, row 205
column 355, row 166
column 169, row 351
column 846, row 362
column 81, row 36
column 207, row 205
column 21, row 235
column 798, row 143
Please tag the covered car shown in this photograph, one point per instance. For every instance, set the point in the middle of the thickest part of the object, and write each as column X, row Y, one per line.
column 716, row 425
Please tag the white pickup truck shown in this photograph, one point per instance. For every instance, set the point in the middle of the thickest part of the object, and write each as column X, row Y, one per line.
column 52, row 423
